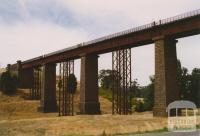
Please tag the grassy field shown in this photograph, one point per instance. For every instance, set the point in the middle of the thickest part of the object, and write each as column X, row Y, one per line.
column 15, row 107
column 81, row 125
column 19, row 117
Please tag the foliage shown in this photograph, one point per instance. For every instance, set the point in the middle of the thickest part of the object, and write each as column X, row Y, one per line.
column 147, row 93
column 139, row 106
column 72, row 83
column 8, row 83
column 183, row 81
column 135, row 88
column 105, row 93
column 106, row 78
column 189, row 84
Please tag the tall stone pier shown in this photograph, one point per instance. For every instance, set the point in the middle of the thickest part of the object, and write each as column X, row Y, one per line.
column 166, row 84
column 89, row 100
column 48, row 91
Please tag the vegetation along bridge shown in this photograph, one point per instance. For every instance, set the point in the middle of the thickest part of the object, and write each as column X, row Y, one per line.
column 40, row 73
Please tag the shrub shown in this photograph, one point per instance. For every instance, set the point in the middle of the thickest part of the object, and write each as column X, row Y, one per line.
column 139, row 107
column 72, row 84
column 8, row 83
column 105, row 93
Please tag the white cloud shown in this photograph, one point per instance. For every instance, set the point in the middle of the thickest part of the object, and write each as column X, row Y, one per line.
column 24, row 41
column 50, row 25
column 128, row 11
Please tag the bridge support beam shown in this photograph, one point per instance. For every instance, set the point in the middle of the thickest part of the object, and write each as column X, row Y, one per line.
column 48, row 91
column 166, row 85
column 25, row 76
column 89, row 100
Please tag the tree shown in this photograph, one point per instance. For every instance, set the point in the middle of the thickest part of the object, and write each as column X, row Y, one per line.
column 8, row 83
column 149, row 96
column 135, row 88
column 146, row 92
column 71, row 84
column 195, row 85
column 189, row 84
column 183, row 81
column 106, row 78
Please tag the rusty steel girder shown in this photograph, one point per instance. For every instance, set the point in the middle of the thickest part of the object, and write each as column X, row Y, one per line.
column 121, row 67
column 35, row 92
column 65, row 99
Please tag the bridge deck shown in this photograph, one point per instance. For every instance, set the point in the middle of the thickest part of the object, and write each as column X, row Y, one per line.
column 183, row 25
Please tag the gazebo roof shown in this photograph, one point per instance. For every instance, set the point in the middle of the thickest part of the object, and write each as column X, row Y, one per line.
column 181, row 104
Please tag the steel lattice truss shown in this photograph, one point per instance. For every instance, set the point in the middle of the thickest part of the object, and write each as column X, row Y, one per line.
column 121, row 67
column 66, row 99
column 35, row 92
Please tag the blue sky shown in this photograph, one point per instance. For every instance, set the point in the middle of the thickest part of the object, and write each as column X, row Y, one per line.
column 29, row 28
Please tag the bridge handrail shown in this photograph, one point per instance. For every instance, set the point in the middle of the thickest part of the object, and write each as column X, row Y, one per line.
column 33, row 59
column 146, row 26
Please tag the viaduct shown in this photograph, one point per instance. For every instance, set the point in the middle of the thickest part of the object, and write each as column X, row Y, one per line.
column 163, row 33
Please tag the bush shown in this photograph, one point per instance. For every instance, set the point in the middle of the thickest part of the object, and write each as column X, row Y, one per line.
column 72, row 84
column 8, row 83
column 105, row 93
column 140, row 106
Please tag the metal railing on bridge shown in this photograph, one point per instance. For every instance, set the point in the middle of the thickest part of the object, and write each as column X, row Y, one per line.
column 144, row 27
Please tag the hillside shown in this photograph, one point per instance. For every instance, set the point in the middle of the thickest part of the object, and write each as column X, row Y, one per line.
column 19, row 117
column 15, row 107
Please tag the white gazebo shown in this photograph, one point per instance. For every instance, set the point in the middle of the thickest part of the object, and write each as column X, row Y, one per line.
column 182, row 123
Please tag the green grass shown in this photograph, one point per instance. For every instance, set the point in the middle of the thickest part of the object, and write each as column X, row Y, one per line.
column 139, row 132
column 105, row 93
column 75, row 135
column 154, row 131
column 198, row 126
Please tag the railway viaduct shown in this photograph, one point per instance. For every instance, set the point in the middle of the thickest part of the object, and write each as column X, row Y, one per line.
column 163, row 33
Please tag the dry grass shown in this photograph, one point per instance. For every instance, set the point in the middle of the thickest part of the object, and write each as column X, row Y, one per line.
column 81, row 125
column 19, row 117
column 15, row 107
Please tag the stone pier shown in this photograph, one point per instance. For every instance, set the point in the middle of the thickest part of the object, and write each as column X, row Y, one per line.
column 166, row 85
column 48, row 92
column 89, row 96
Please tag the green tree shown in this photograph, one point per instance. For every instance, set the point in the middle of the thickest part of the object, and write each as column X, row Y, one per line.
column 189, row 84
column 135, row 88
column 106, row 78
column 140, row 106
column 146, row 92
column 195, row 86
column 8, row 83
column 72, row 83
column 183, row 81
column 149, row 95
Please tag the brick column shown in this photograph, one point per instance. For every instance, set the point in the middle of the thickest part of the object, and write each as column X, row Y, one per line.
column 89, row 95
column 166, row 85
column 48, row 92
